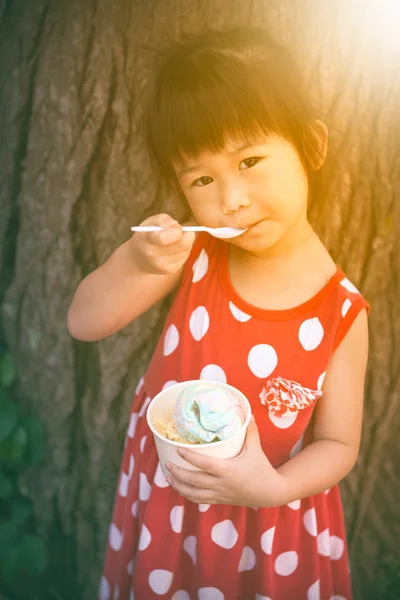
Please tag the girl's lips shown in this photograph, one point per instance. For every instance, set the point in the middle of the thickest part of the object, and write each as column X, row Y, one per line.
column 253, row 227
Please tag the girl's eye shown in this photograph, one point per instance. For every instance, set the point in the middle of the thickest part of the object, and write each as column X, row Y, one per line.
column 250, row 162
column 200, row 181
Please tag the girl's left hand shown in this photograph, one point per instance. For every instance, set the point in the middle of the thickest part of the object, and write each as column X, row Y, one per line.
column 247, row 480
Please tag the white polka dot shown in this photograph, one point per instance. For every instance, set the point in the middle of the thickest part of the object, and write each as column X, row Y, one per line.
column 310, row 521
column 213, row 373
column 200, row 266
column 135, row 508
column 286, row 563
column 311, row 333
column 321, row 380
column 349, row 286
column 131, row 466
column 171, row 340
column 267, row 540
column 327, row 491
column 145, row 405
column 313, row 591
column 323, row 543
column 247, row 560
column 132, row 425
column 123, row 485
column 159, row 478
column 180, row 595
column 204, row 507
column 295, row 505
column 189, row 546
column 160, row 581
column 210, row 593
column 262, row 360
column 238, row 314
column 139, row 385
column 115, row 537
column 282, row 422
column 145, row 538
column 345, row 307
column 176, row 518
column 116, row 593
column 224, row 534
column 199, row 323
column 297, row 447
column 259, row 597
column 104, row 591
column 142, row 443
column 130, row 567
column 144, row 487
column 169, row 384
column 337, row 547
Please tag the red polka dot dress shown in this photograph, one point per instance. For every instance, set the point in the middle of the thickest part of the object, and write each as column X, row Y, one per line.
column 162, row 546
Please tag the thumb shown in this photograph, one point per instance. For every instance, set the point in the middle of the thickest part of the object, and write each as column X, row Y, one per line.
column 252, row 435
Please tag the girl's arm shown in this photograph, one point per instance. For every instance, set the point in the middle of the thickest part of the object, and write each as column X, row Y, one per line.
column 137, row 275
column 251, row 480
column 336, row 431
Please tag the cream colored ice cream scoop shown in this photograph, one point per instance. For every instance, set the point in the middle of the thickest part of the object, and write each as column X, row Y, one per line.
column 205, row 413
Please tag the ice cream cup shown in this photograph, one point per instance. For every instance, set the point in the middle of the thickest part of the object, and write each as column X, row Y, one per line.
column 162, row 407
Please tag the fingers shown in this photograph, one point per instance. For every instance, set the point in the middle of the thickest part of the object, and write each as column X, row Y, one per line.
column 209, row 464
column 195, row 479
column 171, row 237
column 166, row 250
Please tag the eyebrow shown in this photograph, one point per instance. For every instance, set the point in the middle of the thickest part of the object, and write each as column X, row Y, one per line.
column 190, row 169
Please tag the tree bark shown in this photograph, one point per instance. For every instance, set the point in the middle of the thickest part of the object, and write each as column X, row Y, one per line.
column 74, row 177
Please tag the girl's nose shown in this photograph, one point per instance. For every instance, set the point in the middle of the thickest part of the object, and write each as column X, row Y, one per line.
column 233, row 199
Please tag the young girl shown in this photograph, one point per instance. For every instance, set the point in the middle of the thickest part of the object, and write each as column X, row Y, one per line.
column 229, row 127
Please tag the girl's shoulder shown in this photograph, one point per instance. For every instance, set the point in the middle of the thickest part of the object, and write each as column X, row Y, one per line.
column 349, row 302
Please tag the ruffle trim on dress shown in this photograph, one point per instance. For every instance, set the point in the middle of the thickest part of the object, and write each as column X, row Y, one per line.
column 284, row 397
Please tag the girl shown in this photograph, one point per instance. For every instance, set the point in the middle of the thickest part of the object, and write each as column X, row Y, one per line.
column 229, row 128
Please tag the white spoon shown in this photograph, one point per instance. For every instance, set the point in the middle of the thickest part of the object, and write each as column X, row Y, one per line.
column 219, row 232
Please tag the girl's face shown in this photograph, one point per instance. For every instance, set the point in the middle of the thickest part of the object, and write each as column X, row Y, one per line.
column 263, row 187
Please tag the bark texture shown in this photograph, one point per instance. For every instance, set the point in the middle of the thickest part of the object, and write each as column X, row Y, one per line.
column 74, row 177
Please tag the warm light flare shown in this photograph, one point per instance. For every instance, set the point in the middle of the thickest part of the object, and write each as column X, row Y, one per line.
column 382, row 20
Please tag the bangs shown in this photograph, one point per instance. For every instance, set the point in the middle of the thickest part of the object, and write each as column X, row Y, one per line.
column 202, row 101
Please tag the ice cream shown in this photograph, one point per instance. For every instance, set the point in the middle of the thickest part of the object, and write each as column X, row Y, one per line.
column 203, row 413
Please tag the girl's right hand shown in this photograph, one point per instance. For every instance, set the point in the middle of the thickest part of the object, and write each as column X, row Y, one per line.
column 162, row 252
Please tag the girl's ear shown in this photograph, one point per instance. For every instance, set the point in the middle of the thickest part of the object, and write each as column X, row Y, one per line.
column 315, row 143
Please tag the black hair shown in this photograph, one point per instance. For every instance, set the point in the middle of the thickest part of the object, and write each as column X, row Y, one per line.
column 218, row 85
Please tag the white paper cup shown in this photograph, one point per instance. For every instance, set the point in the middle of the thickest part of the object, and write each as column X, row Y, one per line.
column 162, row 407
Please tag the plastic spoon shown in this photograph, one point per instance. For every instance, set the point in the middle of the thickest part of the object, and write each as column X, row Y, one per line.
column 219, row 232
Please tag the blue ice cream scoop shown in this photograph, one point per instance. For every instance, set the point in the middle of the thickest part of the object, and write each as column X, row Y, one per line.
column 206, row 413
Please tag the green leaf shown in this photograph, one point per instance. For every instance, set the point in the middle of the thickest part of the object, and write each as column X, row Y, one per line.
column 9, row 536
column 7, row 486
column 4, row 396
column 12, row 568
column 8, row 371
column 18, row 444
column 8, row 418
column 36, row 440
column 27, row 556
column 33, row 553
column 20, row 510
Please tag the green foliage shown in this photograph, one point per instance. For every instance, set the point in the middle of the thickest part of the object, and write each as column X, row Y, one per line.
column 23, row 556
column 8, row 371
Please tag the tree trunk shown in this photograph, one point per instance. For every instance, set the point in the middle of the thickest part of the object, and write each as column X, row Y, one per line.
column 73, row 179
